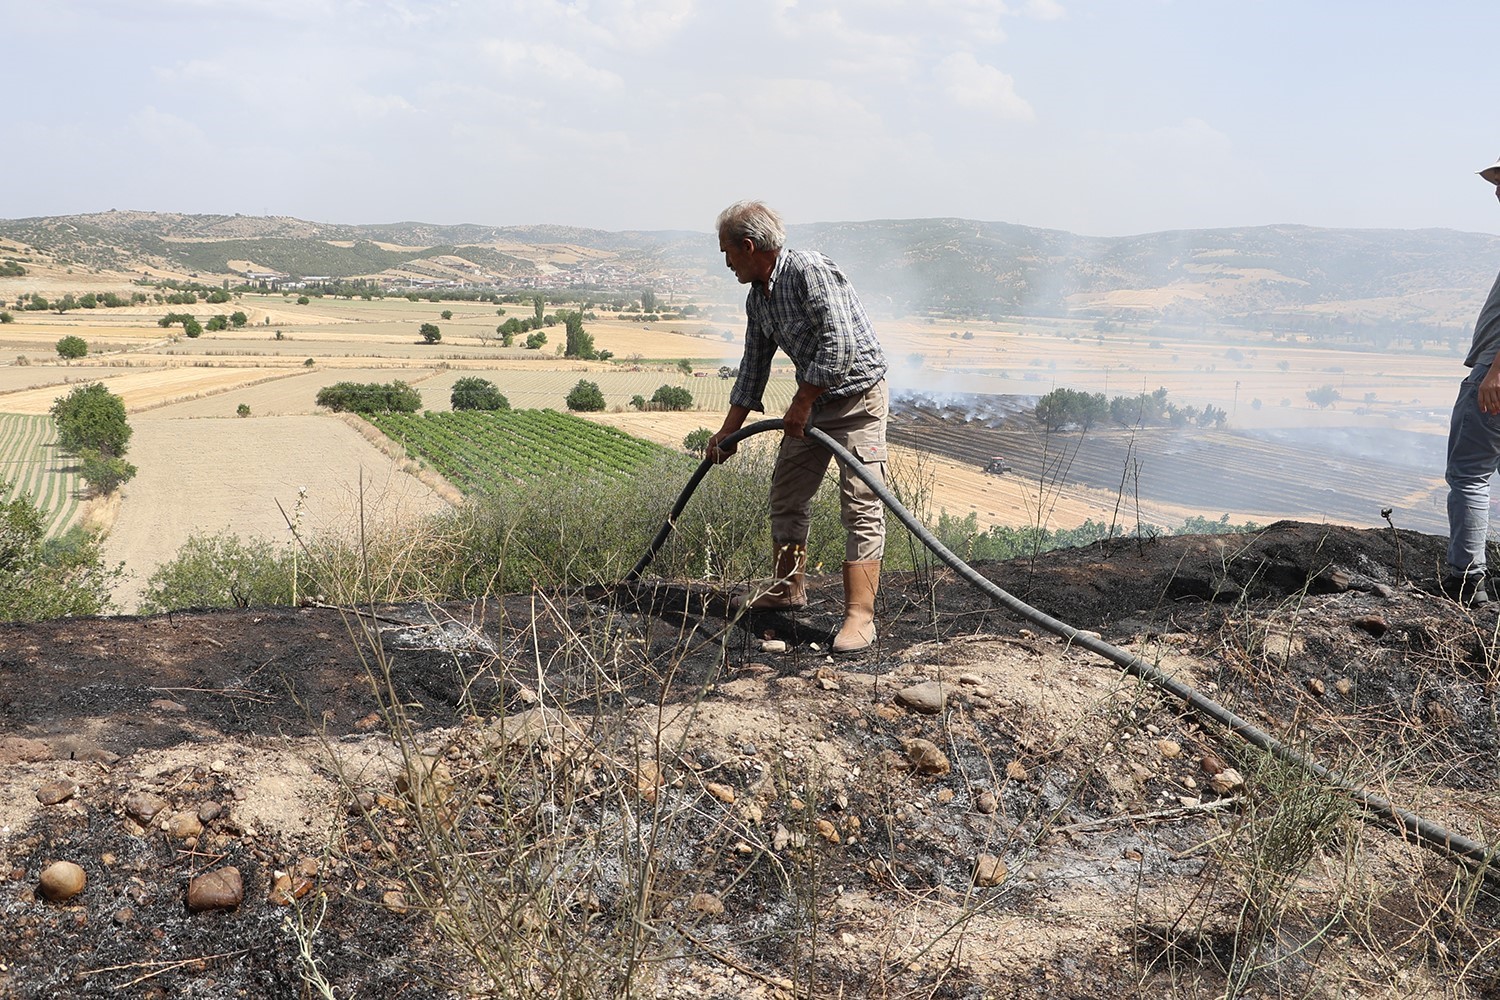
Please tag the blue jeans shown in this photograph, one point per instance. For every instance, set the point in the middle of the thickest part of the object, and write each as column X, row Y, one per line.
column 1473, row 457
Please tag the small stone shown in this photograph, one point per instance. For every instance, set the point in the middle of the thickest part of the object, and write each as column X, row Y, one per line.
column 61, row 880
column 184, row 824
column 944, row 796
column 929, row 697
column 986, row 803
column 705, row 904
column 124, row 915
column 217, row 767
column 394, row 900
column 363, row 802
column 209, row 811
column 1015, row 771
column 57, row 791
column 221, row 889
column 973, row 680
column 368, row 722
column 925, row 756
column 1316, row 686
column 989, row 870
column 828, row 831
column 1375, row 625
column 143, row 807
column 648, row 779
column 1343, row 685
column 724, row 793
column 773, row 646
column 1212, row 764
column 168, row 705
column 1188, row 782
column 1226, row 781
column 1170, row 749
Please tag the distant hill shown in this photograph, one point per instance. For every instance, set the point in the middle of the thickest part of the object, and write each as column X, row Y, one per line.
column 1268, row 275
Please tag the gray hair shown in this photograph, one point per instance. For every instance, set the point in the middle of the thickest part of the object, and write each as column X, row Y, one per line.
column 754, row 221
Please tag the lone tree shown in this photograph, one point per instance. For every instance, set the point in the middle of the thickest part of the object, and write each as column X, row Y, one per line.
column 475, row 393
column 91, row 424
column 430, row 333
column 70, row 348
column 696, row 443
column 673, row 397
column 586, row 397
column 1324, row 396
column 580, row 343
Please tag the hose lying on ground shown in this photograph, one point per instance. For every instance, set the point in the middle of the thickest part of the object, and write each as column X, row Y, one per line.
column 1376, row 809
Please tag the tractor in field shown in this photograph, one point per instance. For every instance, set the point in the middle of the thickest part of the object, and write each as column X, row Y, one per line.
column 997, row 466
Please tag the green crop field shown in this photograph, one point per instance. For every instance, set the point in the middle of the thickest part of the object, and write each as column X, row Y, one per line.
column 476, row 449
column 31, row 464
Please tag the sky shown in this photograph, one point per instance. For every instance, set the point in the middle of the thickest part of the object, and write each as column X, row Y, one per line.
column 1100, row 117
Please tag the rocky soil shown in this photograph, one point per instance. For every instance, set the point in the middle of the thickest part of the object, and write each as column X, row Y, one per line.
column 562, row 793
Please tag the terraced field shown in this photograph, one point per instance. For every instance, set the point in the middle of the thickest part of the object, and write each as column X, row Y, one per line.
column 31, row 464
column 1207, row 470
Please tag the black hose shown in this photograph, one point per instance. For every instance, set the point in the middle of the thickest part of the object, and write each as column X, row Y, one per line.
column 1377, row 809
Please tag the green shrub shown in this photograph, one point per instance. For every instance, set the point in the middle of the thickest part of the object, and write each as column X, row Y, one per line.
column 220, row 571
column 70, row 348
column 369, row 397
column 474, row 393
column 586, row 397
column 673, row 397
column 42, row 579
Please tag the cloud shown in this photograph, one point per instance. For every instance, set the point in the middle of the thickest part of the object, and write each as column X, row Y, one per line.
column 972, row 84
column 556, row 64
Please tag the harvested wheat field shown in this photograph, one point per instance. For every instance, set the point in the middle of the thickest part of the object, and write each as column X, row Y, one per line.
column 206, row 476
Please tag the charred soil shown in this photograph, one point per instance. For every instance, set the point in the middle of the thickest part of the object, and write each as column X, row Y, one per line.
column 970, row 808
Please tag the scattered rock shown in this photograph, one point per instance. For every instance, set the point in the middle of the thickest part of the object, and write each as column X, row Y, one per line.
column 986, row 803
column 1212, row 764
column 929, row 697
column 1316, row 686
column 426, row 785
column 183, row 825
column 394, row 900
column 143, row 807
column 828, row 831
column 61, row 880
column 705, row 904
column 1015, row 771
column 724, row 793
column 221, row 889
column 1226, row 781
column 168, row 705
column 1170, row 749
column 1376, row 625
column 773, row 646
column 989, row 870
column 1343, row 685
column 925, row 756
column 648, row 779
column 19, row 748
column 209, row 811
column 53, row 792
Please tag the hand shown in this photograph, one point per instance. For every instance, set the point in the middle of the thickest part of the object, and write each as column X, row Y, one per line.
column 796, row 417
column 1489, row 391
column 717, row 453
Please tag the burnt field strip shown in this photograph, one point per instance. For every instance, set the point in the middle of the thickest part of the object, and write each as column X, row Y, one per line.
column 1214, row 471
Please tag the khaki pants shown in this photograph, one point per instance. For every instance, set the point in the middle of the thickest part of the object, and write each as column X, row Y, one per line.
column 857, row 423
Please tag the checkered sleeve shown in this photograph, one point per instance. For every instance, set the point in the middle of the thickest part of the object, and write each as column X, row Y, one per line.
column 755, row 368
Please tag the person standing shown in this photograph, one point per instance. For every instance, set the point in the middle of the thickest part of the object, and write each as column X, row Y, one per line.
column 1474, row 451
column 799, row 301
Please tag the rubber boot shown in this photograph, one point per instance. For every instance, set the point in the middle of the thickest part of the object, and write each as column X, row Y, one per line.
column 861, row 582
column 788, row 588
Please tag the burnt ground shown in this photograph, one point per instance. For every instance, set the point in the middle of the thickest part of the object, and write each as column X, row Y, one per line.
column 1100, row 805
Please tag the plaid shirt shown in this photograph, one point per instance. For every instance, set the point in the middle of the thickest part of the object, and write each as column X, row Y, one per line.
column 810, row 311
